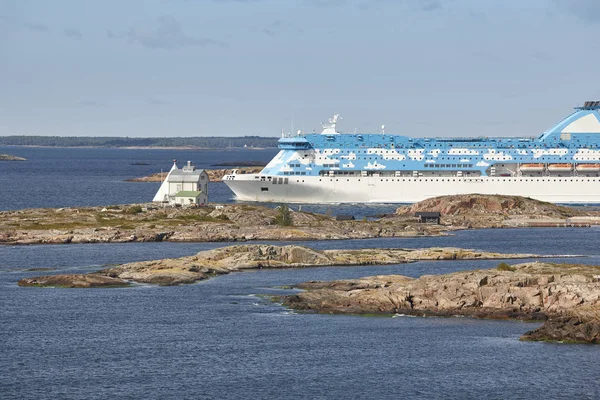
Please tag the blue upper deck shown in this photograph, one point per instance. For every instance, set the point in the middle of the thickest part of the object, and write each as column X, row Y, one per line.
column 575, row 139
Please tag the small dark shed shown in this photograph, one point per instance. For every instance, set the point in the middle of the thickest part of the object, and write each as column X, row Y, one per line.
column 344, row 217
column 427, row 217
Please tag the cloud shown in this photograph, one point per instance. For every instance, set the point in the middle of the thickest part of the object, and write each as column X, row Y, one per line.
column 273, row 29
column 39, row 27
column 431, row 5
column 36, row 26
column 423, row 5
column 277, row 28
column 73, row 33
column 167, row 33
column 587, row 10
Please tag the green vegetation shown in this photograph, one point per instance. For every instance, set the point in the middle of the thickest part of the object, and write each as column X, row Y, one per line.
column 198, row 218
column 246, row 207
column 284, row 216
column 211, row 142
column 505, row 267
column 134, row 210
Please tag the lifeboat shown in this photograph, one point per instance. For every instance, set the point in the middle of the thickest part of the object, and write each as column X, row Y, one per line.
column 532, row 167
column 560, row 167
column 588, row 167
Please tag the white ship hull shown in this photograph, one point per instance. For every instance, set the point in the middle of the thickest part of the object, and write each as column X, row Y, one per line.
column 309, row 189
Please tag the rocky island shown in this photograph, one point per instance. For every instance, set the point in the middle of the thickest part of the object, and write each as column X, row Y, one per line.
column 235, row 222
column 206, row 264
column 215, row 175
column 498, row 211
column 150, row 223
column 8, row 157
column 566, row 295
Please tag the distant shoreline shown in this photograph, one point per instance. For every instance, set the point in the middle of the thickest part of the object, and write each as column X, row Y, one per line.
column 170, row 143
column 138, row 147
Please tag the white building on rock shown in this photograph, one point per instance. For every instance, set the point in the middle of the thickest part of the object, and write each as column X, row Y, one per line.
column 185, row 186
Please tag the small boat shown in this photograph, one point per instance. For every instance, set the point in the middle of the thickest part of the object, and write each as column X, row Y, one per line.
column 560, row 167
column 532, row 167
column 588, row 167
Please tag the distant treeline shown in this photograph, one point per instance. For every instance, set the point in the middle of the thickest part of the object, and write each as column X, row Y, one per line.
column 210, row 142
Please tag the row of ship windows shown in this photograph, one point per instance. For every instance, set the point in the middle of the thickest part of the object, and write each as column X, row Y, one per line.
column 476, row 179
column 294, row 173
column 448, row 165
column 467, row 151
column 285, row 181
column 575, row 144
column 496, row 158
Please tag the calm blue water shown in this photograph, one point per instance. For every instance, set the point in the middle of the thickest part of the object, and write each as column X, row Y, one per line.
column 58, row 177
column 221, row 339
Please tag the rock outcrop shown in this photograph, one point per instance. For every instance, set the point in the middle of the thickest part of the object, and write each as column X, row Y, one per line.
column 8, row 157
column 224, row 260
column 149, row 222
column 489, row 205
column 73, row 281
column 529, row 291
column 485, row 211
column 242, row 222
column 569, row 329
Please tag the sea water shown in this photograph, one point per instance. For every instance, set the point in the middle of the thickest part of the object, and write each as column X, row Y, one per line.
column 222, row 338
column 59, row 177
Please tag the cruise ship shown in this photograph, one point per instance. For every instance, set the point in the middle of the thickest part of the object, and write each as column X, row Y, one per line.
column 562, row 165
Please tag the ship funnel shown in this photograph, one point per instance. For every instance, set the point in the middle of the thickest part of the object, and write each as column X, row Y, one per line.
column 329, row 127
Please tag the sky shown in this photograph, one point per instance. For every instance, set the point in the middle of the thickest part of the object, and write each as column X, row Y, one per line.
column 254, row 67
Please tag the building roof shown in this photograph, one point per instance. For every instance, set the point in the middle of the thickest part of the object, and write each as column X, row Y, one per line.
column 428, row 214
column 188, row 193
column 179, row 175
